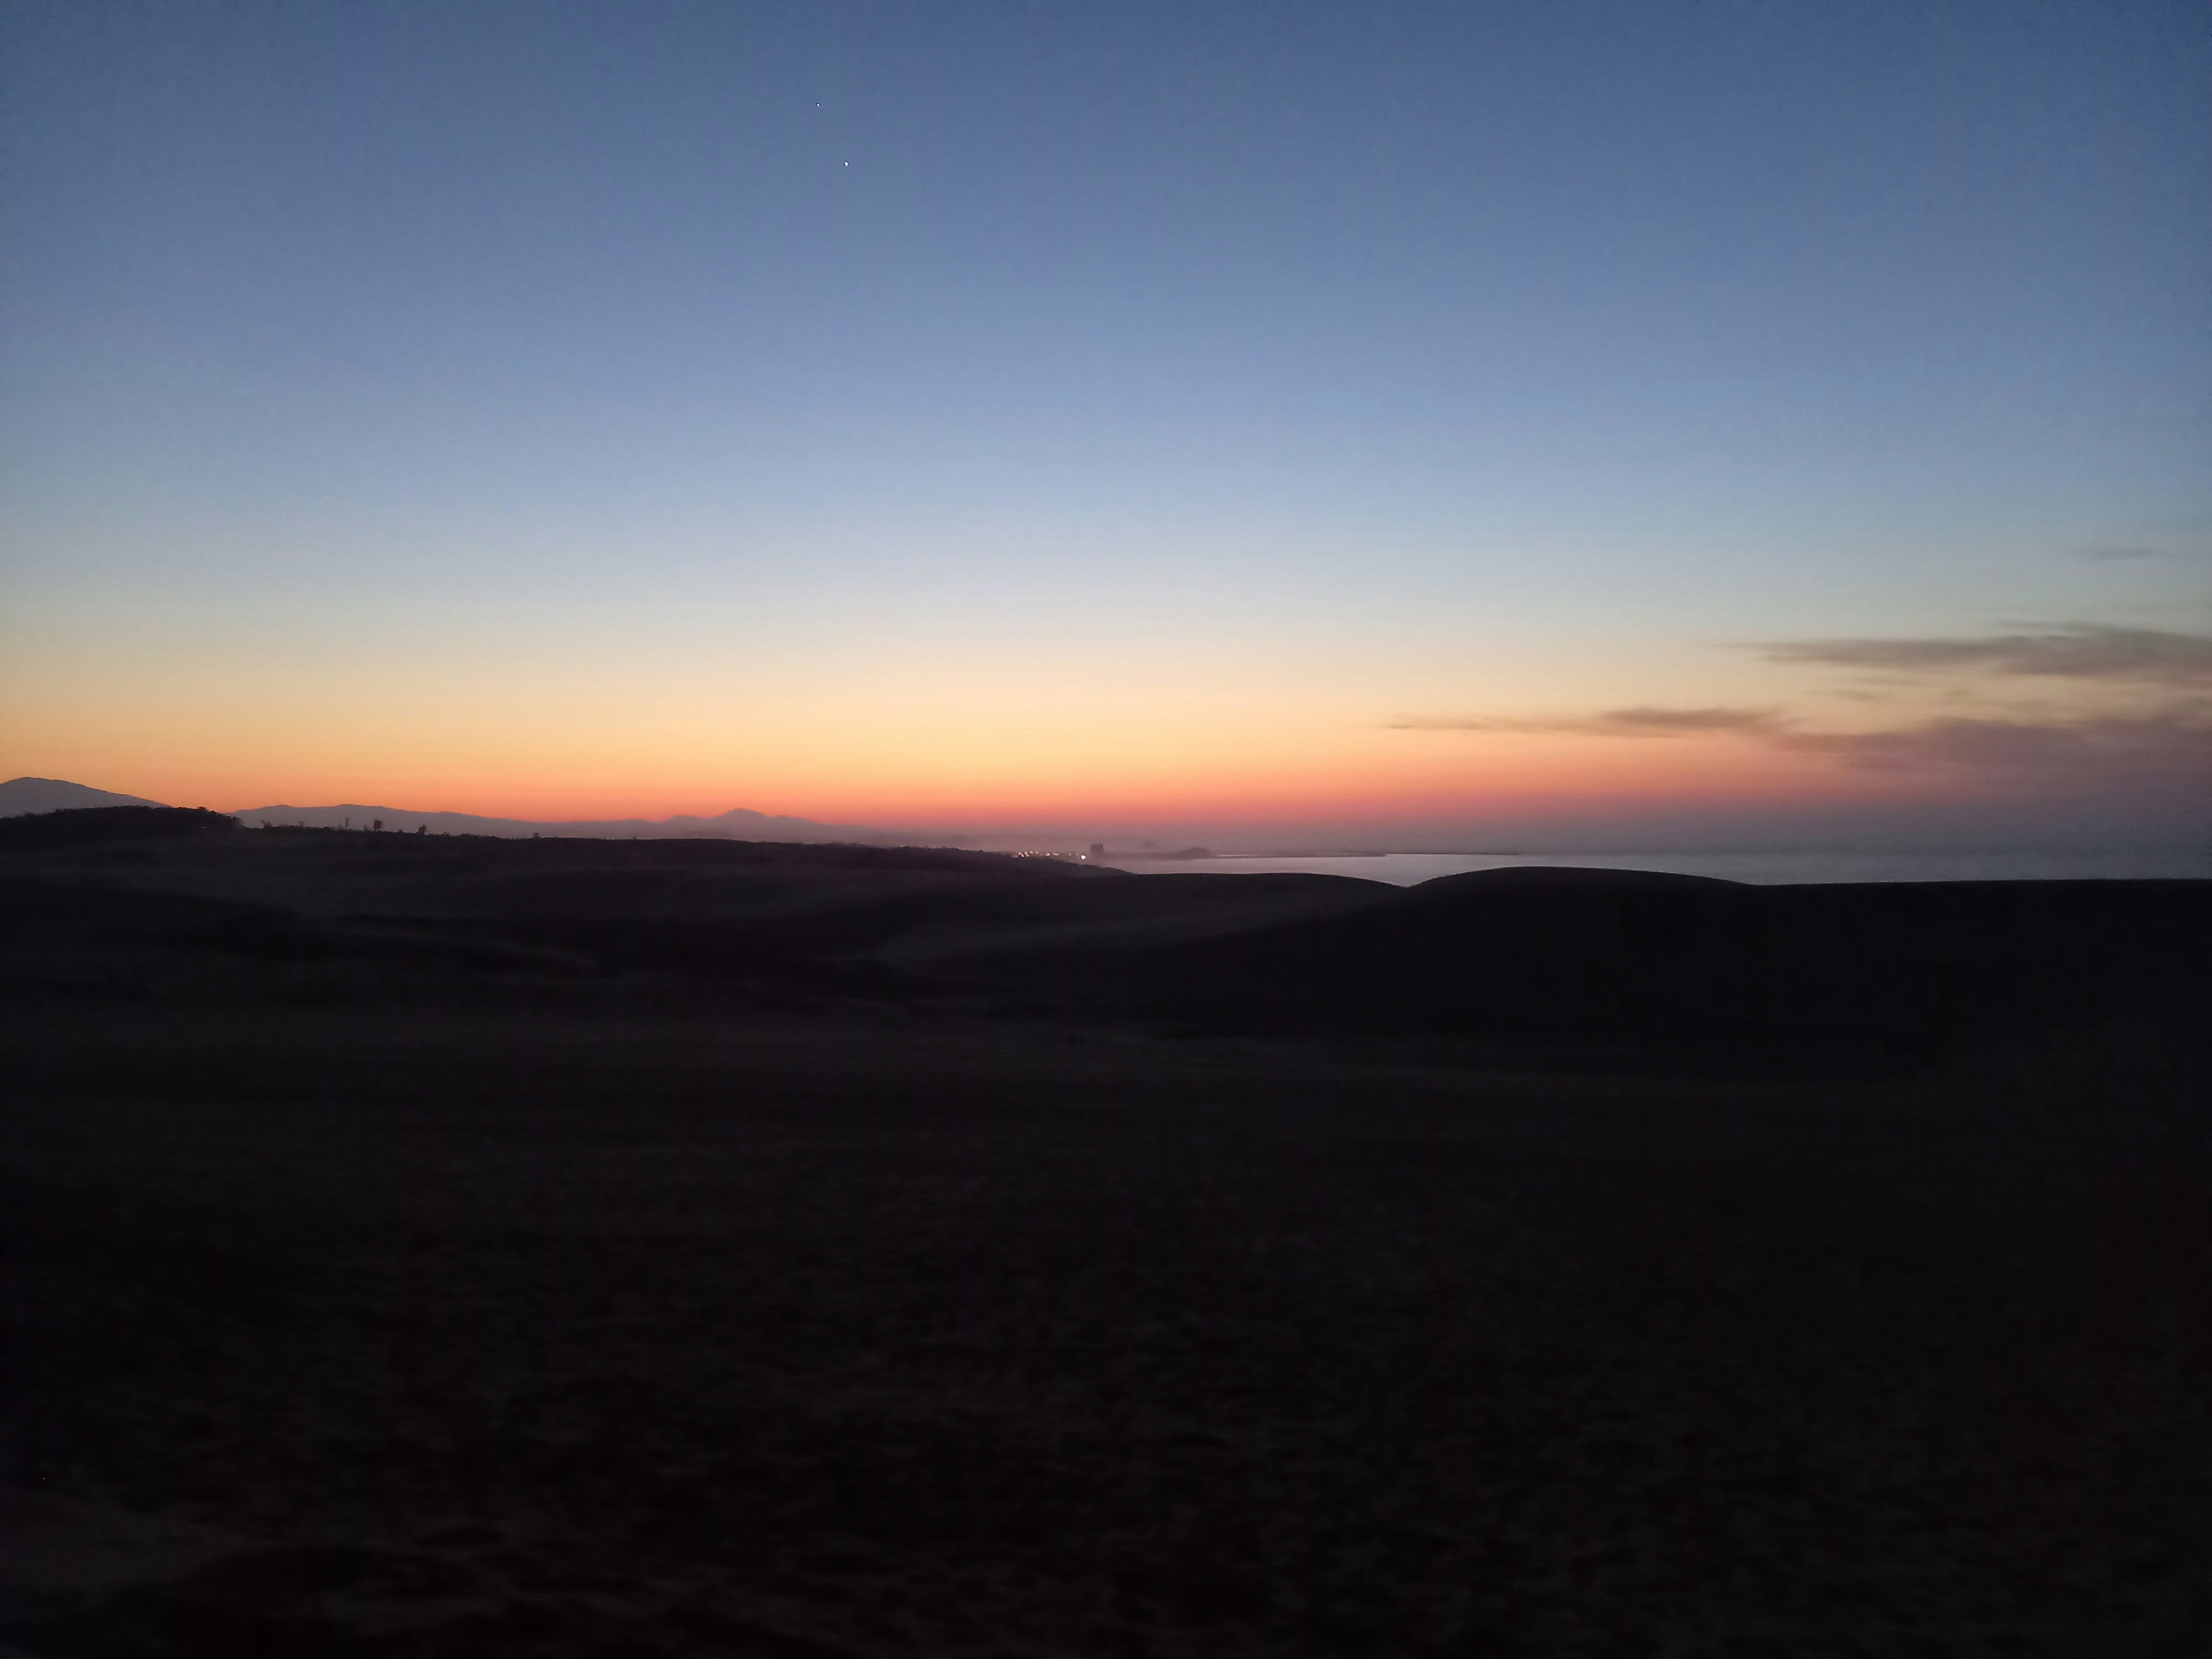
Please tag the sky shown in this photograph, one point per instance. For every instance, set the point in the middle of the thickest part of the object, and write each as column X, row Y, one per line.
column 1415, row 425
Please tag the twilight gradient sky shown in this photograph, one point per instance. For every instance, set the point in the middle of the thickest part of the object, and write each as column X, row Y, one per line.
column 1420, row 424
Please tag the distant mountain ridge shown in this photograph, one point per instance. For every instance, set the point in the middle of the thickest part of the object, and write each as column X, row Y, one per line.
column 22, row 796
column 739, row 823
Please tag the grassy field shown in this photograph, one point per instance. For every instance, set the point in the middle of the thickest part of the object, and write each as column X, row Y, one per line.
column 386, row 1289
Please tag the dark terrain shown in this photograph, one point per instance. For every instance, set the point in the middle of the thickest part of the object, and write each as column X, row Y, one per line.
column 441, row 1246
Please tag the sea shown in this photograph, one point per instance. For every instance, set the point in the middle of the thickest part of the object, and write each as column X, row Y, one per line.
column 1762, row 869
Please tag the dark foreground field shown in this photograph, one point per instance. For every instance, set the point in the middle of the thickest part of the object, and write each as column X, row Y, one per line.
column 453, row 1248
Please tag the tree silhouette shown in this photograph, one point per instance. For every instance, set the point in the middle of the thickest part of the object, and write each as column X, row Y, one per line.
column 75, row 826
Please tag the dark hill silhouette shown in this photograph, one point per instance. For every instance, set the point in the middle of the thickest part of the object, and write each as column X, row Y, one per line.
column 21, row 795
column 1677, row 956
column 1565, row 875
column 1564, row 953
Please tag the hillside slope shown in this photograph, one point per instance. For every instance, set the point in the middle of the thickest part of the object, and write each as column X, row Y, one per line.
column 19, row 796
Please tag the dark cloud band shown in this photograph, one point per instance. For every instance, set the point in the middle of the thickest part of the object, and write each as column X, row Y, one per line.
column 2079, row 651
column 2179, row 745
column 2159, row 748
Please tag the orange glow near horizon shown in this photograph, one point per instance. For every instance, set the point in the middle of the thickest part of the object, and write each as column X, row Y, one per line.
column 1259, row 780
column 1288, row 746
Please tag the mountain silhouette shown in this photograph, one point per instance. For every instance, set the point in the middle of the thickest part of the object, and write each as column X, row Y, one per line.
column 739, row 823
column 19, row 796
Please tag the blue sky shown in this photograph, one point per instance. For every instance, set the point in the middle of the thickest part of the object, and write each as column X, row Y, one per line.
column 736, row 364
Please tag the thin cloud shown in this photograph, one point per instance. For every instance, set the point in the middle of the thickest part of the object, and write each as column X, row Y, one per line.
column 1640, row 722
column 2078, row 650
column 2175, row 743
column 2116, row 555
column 2158, row 749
